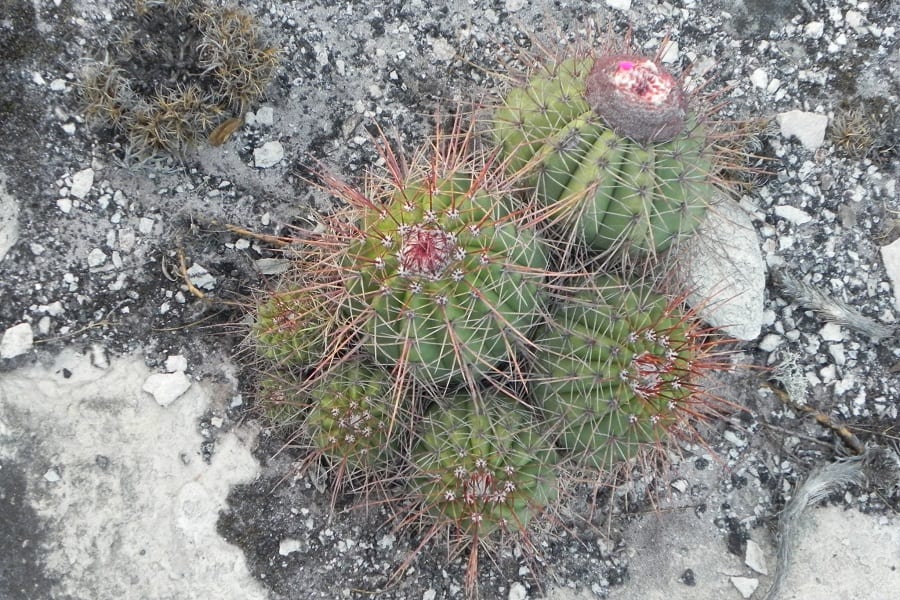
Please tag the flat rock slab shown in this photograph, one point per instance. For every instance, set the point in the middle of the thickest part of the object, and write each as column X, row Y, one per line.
column 117, row 496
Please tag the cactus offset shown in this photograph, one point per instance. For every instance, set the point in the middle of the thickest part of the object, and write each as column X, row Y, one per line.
column 350, row 419
column 618, row 371
column 616, row 159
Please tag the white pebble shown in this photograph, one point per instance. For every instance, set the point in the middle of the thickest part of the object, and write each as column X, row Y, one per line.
column 755, row 558
column 814, row 30
column 166, row 387
column 890, row 256
column 82, row 182
column 145, row 225
column 794, row 215
column 514, row 5
column 517, row 591
column 759, row 78
column 429, row 595
column 268, row 155
column 837, row 353
column 745, row 585
column 288, row 545
column 770, row 342
column 176, row 364
column 831, row 332
column 619, row 4
column 52, row 475
column 17, row 340
column 807, row 127
column 64, row 205
column 96, row 258
column 58, row 85
column 265, row 116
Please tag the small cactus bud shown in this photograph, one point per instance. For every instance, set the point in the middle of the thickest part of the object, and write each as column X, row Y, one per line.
column 636, row 98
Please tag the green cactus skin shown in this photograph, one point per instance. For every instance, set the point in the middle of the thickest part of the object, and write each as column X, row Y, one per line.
column 350, row 420
column 280, row 400
column 442, row 279
column 602, row 188
column 294, row 327
column 617, row 371
column 483, row 467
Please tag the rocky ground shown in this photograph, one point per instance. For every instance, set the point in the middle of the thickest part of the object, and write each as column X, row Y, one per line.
column 131, row 464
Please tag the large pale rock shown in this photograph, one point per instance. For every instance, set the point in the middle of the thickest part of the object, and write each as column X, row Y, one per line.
column 9, row 219
column 723, row 268
column 890, row 256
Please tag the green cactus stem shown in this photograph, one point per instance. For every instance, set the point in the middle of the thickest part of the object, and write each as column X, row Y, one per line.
column 618, row 372
column 482, row 466
column 615, row 156
column 440, row 276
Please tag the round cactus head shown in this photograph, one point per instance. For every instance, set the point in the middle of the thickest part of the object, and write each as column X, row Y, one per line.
column 619, row 372
column 636, row 97
column 481, row 466
column 352, row 420
column 440, row 277
column 294, row 327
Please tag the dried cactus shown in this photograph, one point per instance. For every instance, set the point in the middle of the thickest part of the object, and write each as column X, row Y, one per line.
column 216, row 56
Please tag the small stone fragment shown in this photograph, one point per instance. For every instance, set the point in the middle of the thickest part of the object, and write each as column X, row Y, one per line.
column 619, row 4
column 17, row 340
column 514, row 5
column 755, row 558
column 268, row 155
column 745, row 585
column 200, row 277
column 265, row 116
column 64, row 205
column 82, row 181
column 166, row 387
column 9, row 219
column 96, row 258
column 176, row 364
column 807, row 127
column 759, row 78
column 794, row 215
column 517, row 591
column 288, row 545
column 52, row 476
column 770, row 342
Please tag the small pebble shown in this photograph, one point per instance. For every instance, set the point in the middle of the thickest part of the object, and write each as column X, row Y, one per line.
column 82, row 181
column 288, row 545
column 268, row 155
column 166, row 387
column 745, row 585
column 755, row 558
column 517, row 591
column 17, row 340
column 770, row 342
column 807, row 127
column 96, row 258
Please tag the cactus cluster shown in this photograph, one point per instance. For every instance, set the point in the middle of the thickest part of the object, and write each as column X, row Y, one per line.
column 453, row 319
column 176, row 74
